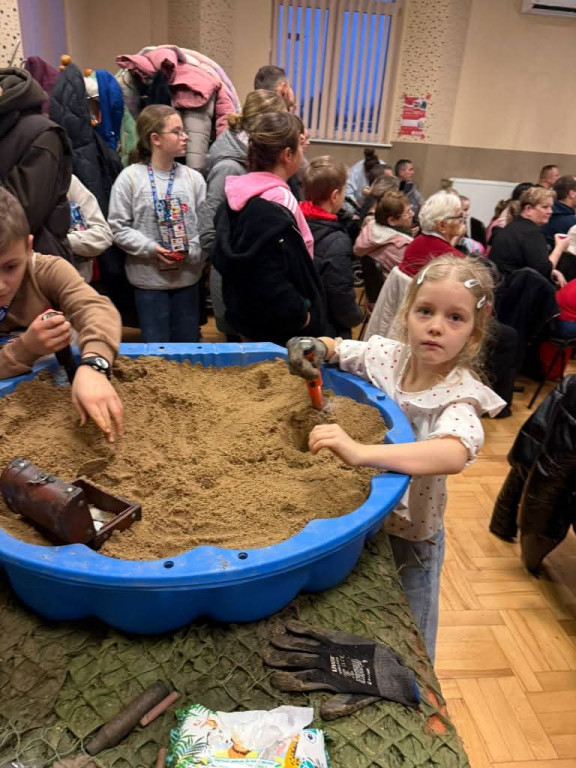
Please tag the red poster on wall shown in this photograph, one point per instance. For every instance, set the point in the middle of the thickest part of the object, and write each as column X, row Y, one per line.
column 413, row 116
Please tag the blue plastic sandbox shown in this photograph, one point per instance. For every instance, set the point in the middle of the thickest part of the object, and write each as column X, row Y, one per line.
column 150, row 596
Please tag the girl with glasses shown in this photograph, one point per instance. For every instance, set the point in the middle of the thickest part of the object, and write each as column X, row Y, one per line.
column 153, row 217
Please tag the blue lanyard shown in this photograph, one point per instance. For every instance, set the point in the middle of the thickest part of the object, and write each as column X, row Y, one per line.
column 4, row 311
column 168, row 191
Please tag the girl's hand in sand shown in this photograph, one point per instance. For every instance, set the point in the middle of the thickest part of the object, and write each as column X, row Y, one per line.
column 334, row 438
column 94, row 397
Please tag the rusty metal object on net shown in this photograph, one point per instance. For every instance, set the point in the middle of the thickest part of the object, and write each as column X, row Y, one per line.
column 125, row 721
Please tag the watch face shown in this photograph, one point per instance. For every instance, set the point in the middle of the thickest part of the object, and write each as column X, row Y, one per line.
column 101, row 363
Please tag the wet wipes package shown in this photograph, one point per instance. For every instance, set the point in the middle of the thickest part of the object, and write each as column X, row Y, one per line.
column 278, row 738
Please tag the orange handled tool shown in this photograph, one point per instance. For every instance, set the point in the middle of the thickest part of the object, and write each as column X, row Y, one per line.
column 314, row 385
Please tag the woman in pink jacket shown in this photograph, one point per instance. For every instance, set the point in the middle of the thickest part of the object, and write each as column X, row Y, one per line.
column 385, row 237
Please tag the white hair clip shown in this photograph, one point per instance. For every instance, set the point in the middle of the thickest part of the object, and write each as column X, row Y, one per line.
column 422, row 275
column 472, row 283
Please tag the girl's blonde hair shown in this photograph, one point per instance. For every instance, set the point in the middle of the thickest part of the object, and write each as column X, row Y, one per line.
column 476, row 276
column 256, row 103
column 271, row 134
column 150, row 120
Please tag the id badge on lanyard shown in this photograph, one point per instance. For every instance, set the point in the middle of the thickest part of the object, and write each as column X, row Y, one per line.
column 169, row 215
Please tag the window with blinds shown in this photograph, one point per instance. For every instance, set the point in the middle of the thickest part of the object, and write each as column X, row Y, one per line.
column 338, row 55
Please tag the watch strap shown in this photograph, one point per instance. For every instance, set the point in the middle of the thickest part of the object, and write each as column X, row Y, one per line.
column 92, row 361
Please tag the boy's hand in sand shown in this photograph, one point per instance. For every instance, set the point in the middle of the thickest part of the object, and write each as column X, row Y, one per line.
column 334, row 438
column 94, row 397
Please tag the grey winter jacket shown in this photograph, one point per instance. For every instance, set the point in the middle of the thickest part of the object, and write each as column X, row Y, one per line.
column 228, row 156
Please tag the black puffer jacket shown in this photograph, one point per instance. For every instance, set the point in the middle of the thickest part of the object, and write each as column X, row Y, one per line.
column 333, row 256
column 35, row 161
column 539, row 494
column 94, row 162
column 269, row 281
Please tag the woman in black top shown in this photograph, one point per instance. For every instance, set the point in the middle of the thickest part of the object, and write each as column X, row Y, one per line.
column 522, row 243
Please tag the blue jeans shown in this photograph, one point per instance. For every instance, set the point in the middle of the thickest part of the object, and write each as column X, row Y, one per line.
column 169, row 316
column 419, row 565
column 566, row 328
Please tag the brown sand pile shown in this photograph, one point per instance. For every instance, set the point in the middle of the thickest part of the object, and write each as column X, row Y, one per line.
column 214, row 455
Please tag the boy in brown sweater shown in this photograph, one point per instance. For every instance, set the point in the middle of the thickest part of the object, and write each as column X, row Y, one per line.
column 30, row 284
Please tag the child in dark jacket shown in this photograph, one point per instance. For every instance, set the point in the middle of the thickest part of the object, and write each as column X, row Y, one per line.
column 264, row 249
column 324, row 191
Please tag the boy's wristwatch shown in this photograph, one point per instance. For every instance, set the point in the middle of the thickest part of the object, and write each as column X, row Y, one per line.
column 99, row 364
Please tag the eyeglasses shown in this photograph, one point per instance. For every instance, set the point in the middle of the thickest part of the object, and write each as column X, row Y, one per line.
column 455, row 218
column 176, row 132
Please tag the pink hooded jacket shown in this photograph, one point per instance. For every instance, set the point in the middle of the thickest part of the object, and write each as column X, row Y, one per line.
column 384, row 244
column 240, row 189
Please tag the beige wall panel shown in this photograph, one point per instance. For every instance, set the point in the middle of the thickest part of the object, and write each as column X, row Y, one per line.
column 216, row 31
column 99, row 31
column 514, row 90
column 184, row 23
column 436, row 161
column 252, row 24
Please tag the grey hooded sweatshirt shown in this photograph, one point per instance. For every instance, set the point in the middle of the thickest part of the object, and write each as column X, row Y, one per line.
column 228, row 156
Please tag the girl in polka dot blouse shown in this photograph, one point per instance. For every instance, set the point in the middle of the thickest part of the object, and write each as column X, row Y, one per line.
column 431, row 375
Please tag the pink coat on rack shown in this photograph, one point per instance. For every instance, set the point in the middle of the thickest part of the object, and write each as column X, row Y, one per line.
column 192, row 85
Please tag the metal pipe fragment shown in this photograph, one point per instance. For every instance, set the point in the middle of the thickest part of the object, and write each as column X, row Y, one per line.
column 125, row 721
column 159, row 709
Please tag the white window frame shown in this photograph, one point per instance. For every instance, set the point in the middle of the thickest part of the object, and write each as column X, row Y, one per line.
column 369, row 68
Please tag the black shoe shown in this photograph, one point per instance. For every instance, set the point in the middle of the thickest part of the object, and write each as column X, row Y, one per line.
column 504, row 413
column 503, row 536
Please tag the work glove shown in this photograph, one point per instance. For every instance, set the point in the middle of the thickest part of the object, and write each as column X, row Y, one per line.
column 305, row 355
column 360, row 670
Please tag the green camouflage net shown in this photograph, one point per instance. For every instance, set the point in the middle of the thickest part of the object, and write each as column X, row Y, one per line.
column 61, row 681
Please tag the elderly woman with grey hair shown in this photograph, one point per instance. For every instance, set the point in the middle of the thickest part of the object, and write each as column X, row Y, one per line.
column 441, row 220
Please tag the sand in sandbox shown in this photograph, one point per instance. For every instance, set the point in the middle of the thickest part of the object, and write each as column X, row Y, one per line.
column 214, row 455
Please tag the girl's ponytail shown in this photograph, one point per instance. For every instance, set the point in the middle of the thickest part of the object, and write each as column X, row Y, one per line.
column 235, row 121
column 256, row 103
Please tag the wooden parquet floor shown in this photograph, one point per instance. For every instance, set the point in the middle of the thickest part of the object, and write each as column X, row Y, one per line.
column 506, row 654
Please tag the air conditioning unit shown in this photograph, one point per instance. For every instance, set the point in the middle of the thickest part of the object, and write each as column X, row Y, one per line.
column 565, row 8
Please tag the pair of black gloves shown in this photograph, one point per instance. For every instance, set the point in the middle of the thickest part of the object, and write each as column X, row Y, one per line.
column 358, row 670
